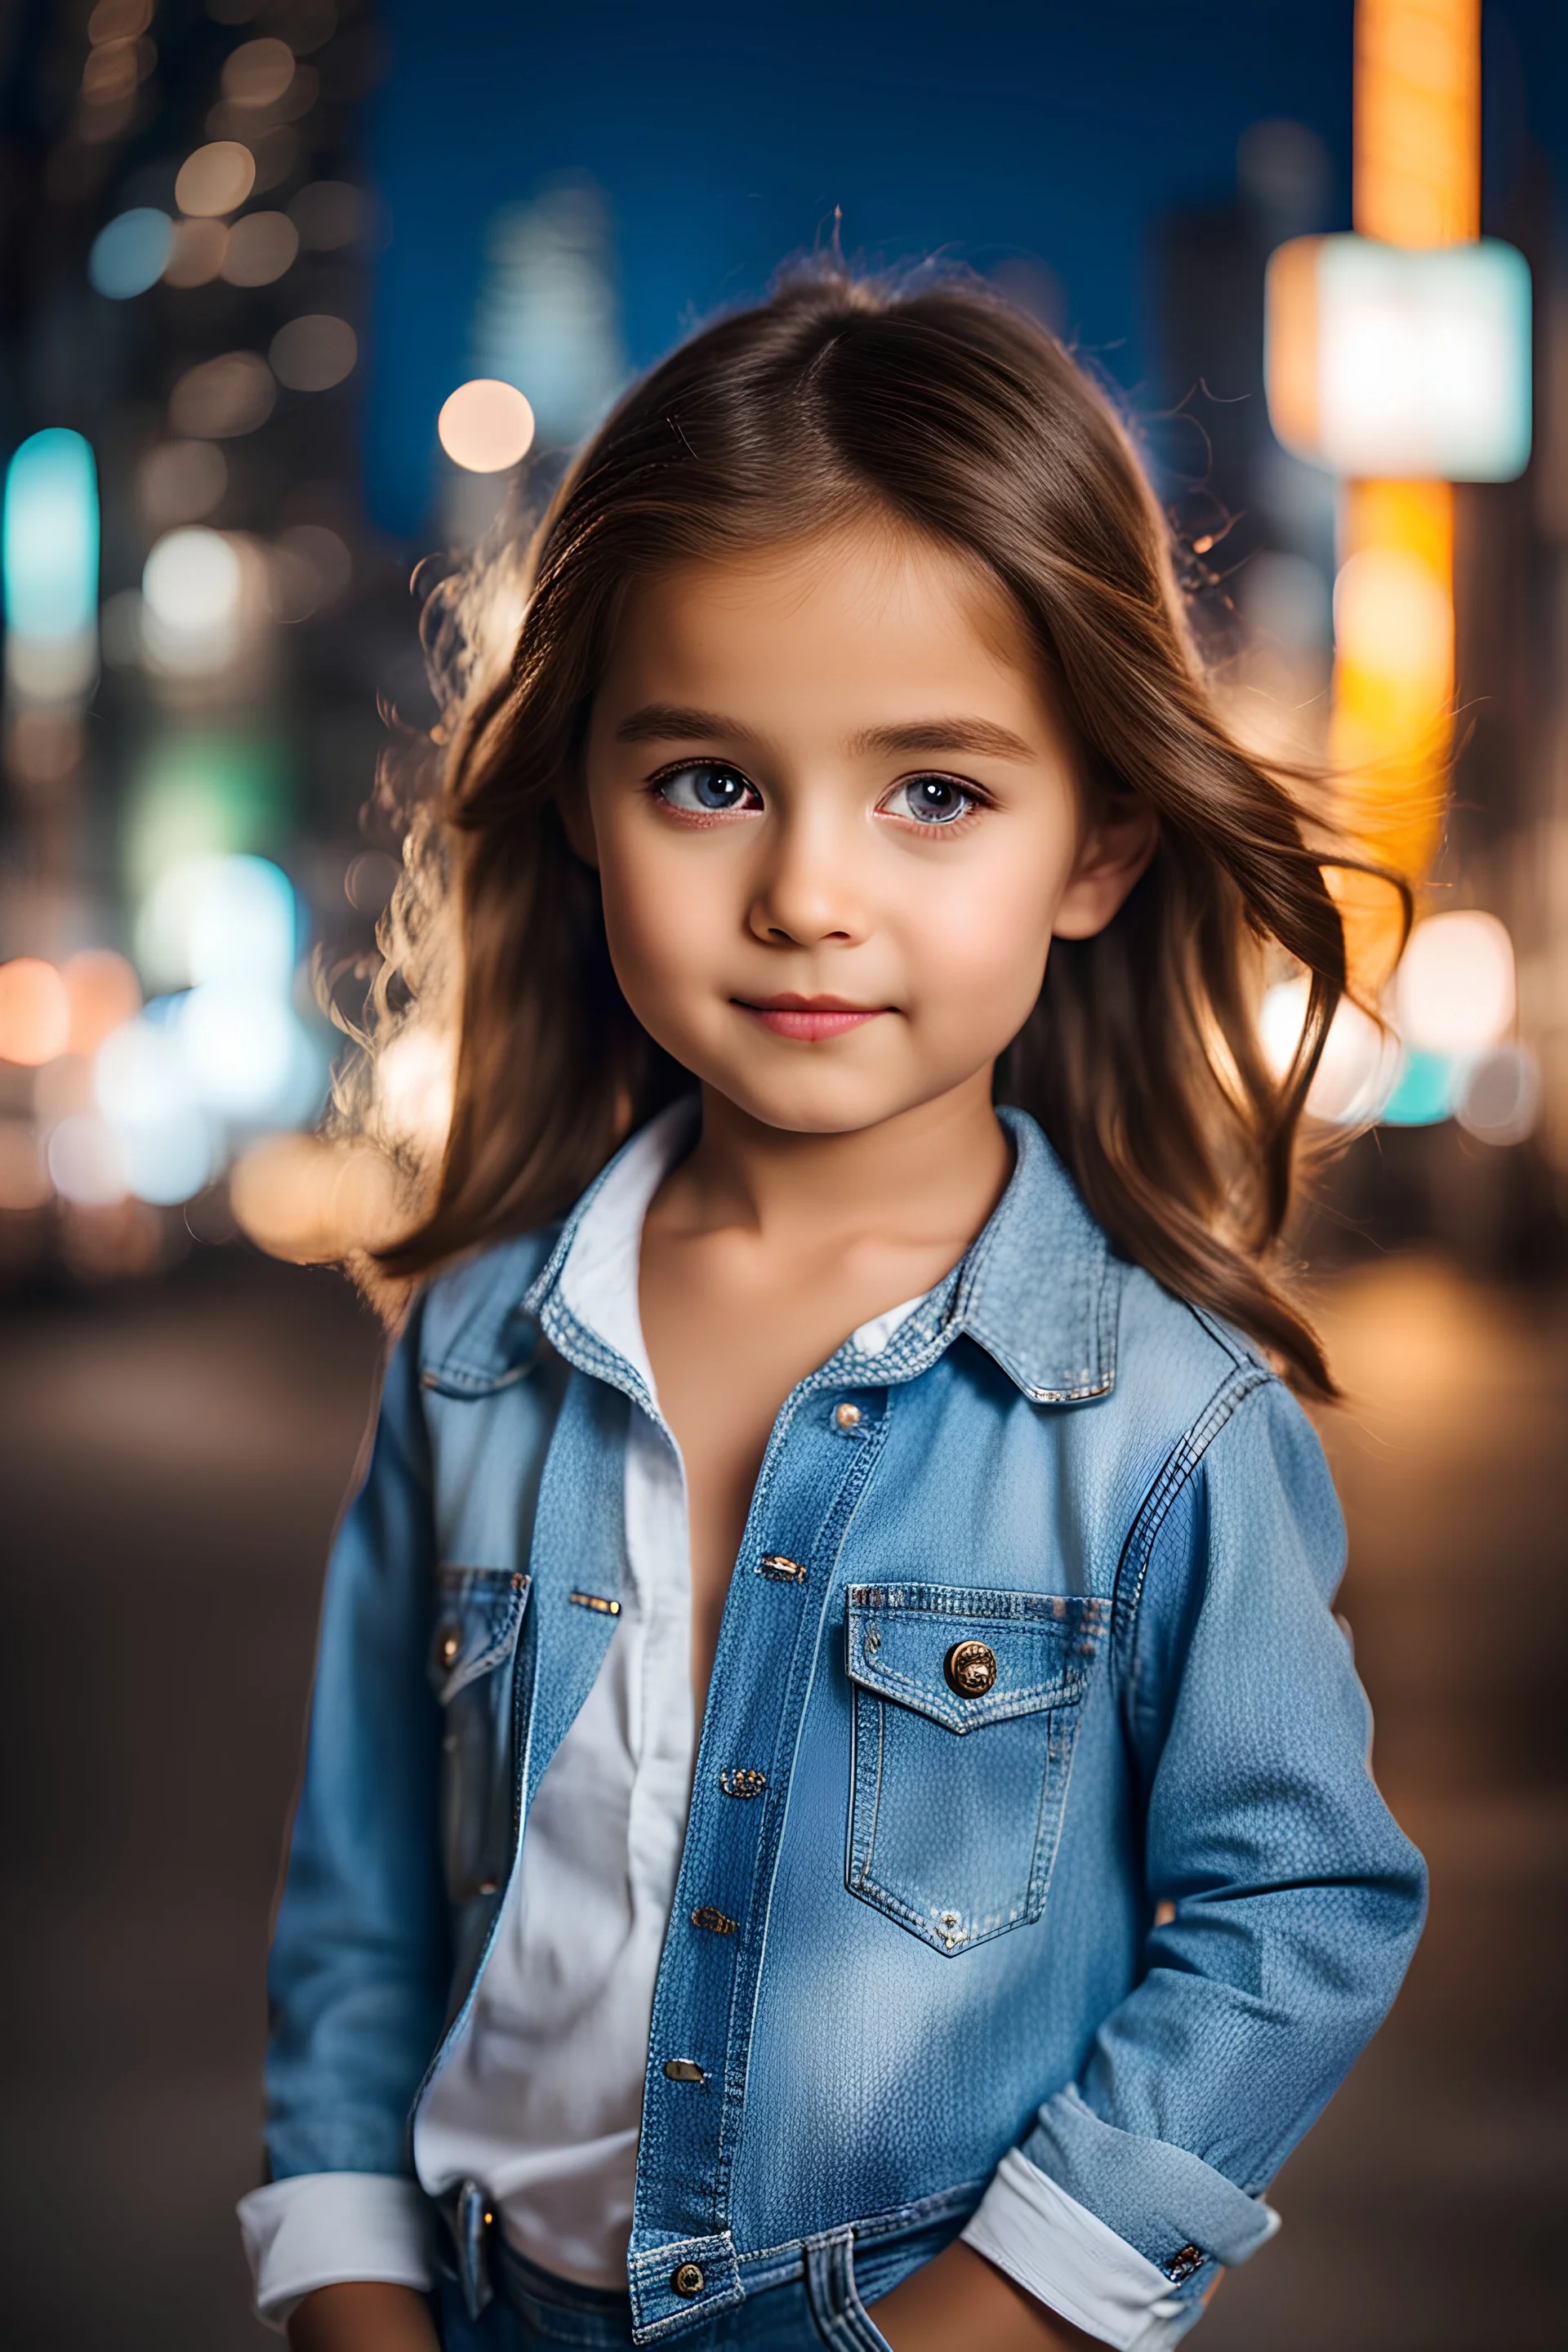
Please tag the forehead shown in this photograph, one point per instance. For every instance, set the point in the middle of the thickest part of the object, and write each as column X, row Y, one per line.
column 857, row 613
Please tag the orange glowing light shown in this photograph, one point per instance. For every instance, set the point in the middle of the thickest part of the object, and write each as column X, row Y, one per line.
column 35, row 1011
column 1417, row 183
column 1290, row 355
column 298, row 1197
column 1393, row 690
column 102, row 991
column 1418, row 121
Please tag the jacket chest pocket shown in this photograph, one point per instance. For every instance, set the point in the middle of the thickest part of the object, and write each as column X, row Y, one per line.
column 478, row 1616
column 967, row 1712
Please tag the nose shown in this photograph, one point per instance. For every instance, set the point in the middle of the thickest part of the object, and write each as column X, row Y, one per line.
column 807, row 889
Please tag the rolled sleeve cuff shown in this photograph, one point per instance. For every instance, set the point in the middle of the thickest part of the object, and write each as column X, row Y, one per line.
column 322, row 2229
column 1161, row 2199
column 1066, row 2258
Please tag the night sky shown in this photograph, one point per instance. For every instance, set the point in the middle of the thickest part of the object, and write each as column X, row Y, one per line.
column 724, row 136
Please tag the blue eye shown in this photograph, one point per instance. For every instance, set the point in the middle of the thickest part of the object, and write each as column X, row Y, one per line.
column 932, row 800
column 706, row 789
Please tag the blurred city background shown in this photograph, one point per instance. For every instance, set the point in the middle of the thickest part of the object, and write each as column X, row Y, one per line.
column 288, row 289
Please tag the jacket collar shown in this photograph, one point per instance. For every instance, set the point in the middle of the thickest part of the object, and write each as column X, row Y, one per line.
column 1038, row 1290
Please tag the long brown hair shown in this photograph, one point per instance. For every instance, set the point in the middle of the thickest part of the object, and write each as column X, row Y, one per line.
column 939, row 405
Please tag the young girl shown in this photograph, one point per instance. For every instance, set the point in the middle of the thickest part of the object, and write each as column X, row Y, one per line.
column 837, row 1808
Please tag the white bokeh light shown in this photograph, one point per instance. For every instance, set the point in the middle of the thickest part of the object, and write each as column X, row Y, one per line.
column 1453, row 991
column 191, row 588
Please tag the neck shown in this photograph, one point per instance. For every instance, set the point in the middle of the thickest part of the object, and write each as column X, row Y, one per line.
column 933, row 1172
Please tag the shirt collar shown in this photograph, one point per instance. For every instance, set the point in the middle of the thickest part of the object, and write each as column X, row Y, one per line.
column 1038, row 1289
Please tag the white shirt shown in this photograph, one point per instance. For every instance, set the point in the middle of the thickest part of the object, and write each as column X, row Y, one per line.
column 540, row 2099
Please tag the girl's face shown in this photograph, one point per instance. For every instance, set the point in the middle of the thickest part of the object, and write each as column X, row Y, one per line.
column 837, row 826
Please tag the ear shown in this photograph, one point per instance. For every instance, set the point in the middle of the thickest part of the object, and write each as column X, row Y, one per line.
column 1121, row 838
column 577, row 822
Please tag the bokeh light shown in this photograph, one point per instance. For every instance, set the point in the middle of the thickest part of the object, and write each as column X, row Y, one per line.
column 1392, row 608
column 1453, row 991
column 190, row 601
column 131, row 253
column 180, row 481
column 111, row 70
column 258, row 72
column 261, row 247
column 1426, row 1091
column 309, row 570
column 35, row 1011
column 49, row 548
column 223, row 398
column 313, row 353
column 300, row 1198
column 1360, row 1064
column 1498, row 1097
column 247, row 1054
column 87, row 1162
column 102, row 993
column 147, row 1096
column 219, row 919
column 197, row 249
column 486, row 425
column 415, row 1079
column 118, row 20
column 217, row 179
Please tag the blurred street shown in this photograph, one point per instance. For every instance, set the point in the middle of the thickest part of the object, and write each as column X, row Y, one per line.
column 172, row 1457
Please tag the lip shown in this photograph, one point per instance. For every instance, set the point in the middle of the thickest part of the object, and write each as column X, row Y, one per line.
column 809, row 1018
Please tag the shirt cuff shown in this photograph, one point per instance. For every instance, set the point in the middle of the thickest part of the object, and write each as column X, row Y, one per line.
column 319, row 2229
column 1066, row 2257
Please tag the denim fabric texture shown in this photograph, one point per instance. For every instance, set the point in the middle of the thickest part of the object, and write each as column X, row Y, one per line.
column 1132, row 1907
column 819, row 2304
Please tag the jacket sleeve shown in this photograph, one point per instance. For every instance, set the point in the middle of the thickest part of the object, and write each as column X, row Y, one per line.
column 1287, row 1901
column 358, row 1978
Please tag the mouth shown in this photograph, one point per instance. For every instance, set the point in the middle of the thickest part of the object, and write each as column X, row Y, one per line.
column 808, row 1018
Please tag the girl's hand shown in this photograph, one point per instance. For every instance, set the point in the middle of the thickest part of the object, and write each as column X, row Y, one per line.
column 363, row 2315
column 961, row 2298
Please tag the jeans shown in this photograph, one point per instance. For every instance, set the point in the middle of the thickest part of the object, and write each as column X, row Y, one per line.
column 821, row 2309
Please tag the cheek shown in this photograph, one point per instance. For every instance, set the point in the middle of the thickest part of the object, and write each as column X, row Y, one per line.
column 980, row 941
column 659, row 911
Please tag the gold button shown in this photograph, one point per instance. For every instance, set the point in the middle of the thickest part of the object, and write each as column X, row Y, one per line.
column 848, row 1416
column 970, row 1668
column 451, row 1642
column 688, row 2280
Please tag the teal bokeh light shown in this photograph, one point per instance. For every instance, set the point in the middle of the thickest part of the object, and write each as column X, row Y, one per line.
column 48, row 543
column 129, row 252
column 1425, row 1092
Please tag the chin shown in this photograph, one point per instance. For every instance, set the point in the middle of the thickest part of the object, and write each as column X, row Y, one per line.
column 812, row 1110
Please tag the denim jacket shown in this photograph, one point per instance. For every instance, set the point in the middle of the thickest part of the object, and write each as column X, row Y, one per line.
column 1061, row 1846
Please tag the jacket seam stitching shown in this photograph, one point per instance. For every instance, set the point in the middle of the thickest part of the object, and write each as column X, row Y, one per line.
column 1179, row 1469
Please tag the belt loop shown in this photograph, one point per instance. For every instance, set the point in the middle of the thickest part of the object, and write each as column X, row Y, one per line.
column 834, row 2296
column 468, row 2217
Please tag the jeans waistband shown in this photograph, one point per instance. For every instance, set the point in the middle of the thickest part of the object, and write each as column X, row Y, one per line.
column 876, row 2252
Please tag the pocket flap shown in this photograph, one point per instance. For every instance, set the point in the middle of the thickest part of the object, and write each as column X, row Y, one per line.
column 478, row 1612
column 1019, row 1651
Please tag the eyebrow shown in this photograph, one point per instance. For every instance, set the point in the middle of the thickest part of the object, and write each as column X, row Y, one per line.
column 978, row 735
column 668, row 723
column 674, row 723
